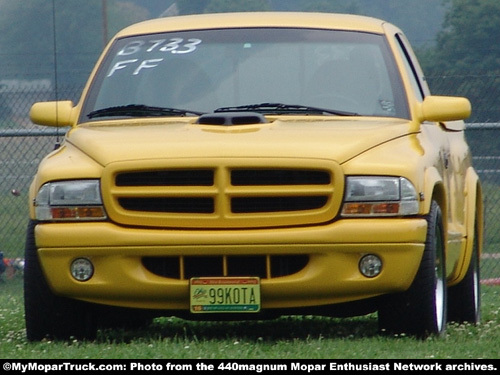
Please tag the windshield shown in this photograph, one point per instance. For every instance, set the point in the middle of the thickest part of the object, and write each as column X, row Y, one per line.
column 193, row 72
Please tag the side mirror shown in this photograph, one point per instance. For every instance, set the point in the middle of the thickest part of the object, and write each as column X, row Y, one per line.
column 52, row 113
column 445, row 108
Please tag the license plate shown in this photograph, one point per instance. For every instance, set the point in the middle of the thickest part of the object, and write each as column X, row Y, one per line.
column 224, row 294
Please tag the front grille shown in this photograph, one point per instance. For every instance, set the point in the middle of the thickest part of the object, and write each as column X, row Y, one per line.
column 184, row 177
column 254, row 177
column 263, row 266
column 165, row 204
column 254, row 194
column 276, row 204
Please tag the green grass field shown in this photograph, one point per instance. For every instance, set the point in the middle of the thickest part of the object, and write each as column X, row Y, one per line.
column 286, row 338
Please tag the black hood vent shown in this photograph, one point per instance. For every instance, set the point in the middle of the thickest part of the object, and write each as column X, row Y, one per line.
column 232, row 118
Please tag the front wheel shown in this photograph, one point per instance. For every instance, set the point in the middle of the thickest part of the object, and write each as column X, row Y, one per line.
column 48, row 315
column 422, row 309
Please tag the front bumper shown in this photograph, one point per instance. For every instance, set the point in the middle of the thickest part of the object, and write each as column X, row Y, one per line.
column 330, row 276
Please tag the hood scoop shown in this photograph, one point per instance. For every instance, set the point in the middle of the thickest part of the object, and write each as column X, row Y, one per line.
column 232, row 118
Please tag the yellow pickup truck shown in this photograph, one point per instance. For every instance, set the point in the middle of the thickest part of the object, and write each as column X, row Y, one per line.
column 250, row 165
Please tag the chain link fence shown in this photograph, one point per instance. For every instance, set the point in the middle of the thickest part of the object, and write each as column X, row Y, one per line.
column 23, row 145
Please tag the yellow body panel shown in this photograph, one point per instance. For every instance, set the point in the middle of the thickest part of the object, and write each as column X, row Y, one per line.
column 331, row 275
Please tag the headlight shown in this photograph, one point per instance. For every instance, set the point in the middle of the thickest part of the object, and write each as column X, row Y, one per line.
column 379, row 196
column 70, row 200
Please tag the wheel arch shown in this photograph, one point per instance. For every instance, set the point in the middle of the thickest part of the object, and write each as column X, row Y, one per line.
column 434, row 190
column 474, row 211
column 474, row 220
column 474, row 224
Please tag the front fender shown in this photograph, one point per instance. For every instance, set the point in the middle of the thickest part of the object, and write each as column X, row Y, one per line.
column 474, row 223
column 474, row 209
column 434, row 190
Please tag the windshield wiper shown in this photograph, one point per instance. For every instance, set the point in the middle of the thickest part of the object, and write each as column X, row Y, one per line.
column 281, row 108
column 138, row 110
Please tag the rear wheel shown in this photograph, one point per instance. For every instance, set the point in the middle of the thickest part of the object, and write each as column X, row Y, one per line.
column 464, row 299
column 48, row 315
column 422, row 309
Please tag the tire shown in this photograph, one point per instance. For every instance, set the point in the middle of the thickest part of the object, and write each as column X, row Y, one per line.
column 422, row 309
column 464, row 299
column 47, row 315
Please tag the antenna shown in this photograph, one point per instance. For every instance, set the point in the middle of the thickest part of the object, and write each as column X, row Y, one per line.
column 56, row 84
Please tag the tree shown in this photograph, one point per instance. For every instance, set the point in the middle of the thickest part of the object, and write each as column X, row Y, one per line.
column 332, row 6
column 25, row 34
column 466, row 58
column 192, row 7
column 470, row 36
column 124, row 13
column 30, row 48
column 215, row 6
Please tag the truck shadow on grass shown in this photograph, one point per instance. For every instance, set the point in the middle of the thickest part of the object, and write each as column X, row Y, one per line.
column 284, row 328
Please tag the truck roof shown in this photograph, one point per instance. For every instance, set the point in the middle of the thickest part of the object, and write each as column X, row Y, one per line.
column 257, row 19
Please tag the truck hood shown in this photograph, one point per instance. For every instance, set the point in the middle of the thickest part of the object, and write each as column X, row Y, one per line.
column 335, row 139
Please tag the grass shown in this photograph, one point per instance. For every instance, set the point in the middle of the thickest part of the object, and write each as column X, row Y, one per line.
column 286, row 338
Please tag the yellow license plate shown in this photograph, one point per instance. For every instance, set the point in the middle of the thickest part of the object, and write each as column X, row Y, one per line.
column 224, row 294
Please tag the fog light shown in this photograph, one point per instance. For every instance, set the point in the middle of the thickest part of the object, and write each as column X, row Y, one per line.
column 82, row 269
column 370, row 265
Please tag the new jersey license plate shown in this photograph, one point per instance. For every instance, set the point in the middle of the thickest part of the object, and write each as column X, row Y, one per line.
column 224, row 294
